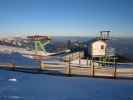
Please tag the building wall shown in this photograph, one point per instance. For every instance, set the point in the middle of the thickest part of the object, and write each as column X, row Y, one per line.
column 98, row 48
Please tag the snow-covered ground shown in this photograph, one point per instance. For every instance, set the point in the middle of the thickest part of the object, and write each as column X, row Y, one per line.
column 27, row 86
column 23, row 86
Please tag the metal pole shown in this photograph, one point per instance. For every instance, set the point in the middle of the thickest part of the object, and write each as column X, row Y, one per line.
column 79, row 59
column 101, row 35
column 90, row 62
column 87, row 61
column 40, row 65
column 99, row 61
column 72, row 57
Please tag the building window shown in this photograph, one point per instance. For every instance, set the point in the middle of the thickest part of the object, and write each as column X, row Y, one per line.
column 102, row 47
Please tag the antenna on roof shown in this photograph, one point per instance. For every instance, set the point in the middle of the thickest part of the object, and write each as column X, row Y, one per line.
column 104, row 35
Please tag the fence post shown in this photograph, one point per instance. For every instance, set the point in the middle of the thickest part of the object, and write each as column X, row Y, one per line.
column 13, row 66
column 69, row 67
column 115, row 67
column 92, row 68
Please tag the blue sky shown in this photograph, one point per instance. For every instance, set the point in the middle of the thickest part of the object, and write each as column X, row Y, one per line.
column 66, row 17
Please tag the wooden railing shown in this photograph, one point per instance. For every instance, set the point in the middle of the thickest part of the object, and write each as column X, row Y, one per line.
column 68, row 69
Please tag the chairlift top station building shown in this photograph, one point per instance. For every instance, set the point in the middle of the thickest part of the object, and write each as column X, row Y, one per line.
column 101, row 46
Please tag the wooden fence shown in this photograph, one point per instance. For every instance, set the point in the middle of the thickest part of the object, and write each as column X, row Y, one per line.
column 69, row 69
